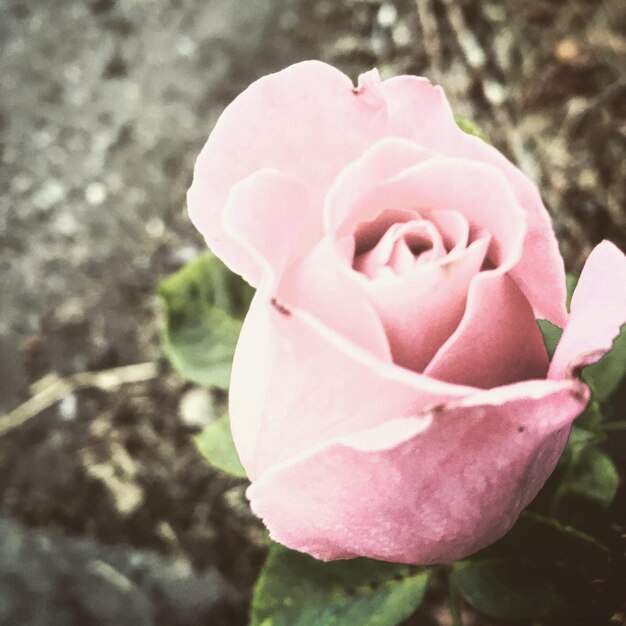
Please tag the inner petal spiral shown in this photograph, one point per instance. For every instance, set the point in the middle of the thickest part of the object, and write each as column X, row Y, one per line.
column 396, row 242
column 401, row 249
column 417, row 267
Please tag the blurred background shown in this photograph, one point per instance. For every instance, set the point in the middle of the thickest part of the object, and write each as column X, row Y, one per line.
column 108, row 514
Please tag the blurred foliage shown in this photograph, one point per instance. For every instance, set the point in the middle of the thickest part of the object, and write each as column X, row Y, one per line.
column 504, row 589
column 521, row 575
column 203, row 305
column 216, row 445
column 604, row 376
column 297, row 590
column 551, row 335
column 470, row 128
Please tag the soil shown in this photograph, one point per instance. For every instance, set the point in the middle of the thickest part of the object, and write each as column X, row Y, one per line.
column 108, row 514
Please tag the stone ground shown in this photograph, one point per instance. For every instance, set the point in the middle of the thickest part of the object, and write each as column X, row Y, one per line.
column 107, row 513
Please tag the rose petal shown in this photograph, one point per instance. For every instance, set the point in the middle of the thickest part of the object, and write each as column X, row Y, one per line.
column 478, row 192
column 540, row 272
column 367, row 234
column 411, row 492
column 259, row 207
column 316, row 282
column 296, row 384
column 396, row 249
column 319, row 284
column 381, row 162
column 454, row 228
column 498, row 340
column 598, row 310
column 420, row 310
column 328, row 126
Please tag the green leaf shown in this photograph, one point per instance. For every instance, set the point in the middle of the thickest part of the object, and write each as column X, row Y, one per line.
column 470, row 128
column 605, row 375
column 590, row 420
column 551, row 335
column 579, row 437
column 544, row 541
column 296, row 590
column 215, row 443
column 204, row 304
column 501, row 589
column 583, row 480
column 539, row 566
column 571, row 280
column 584, row 470
column 453, row 600
column 592, row 475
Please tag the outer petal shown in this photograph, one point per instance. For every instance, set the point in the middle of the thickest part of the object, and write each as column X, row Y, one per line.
column 498, row 341
column 296, row 384
column 598, row 310
column 413, row 493
column 305, row 121
column 259, row 207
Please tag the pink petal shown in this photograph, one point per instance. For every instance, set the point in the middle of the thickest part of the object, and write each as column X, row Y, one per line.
column 367, row 234
column 420, row 310
column 479, row 192
column 320, row 284
column 305, row 121
column 453, row 226
column 381, row 162
column 261, row 206
column 598, row 310
column 540, row 272
column 330, row 125
column 498, row 340
column 296, row 384
column 413, row 492
column 395, row 250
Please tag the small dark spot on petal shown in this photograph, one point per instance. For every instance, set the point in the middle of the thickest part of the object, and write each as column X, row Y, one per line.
column 281, row 308
column 520, row 429
column 578, row 393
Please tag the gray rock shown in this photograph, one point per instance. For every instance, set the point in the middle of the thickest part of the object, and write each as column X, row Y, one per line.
column 48, row 579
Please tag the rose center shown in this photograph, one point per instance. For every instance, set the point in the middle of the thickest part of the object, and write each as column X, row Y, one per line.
column 395, row 243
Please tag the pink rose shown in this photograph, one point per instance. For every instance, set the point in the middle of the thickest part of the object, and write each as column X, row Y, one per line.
column 391, row 395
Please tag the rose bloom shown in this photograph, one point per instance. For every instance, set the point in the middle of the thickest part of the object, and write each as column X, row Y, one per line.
column 391, row 394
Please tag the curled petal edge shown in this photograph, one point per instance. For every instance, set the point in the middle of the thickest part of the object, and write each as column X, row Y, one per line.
column 413, row 515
